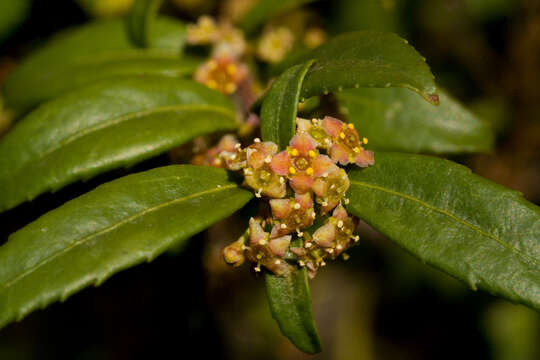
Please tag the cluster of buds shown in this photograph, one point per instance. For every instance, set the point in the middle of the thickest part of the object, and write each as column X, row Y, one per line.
column 300, row 183
column 275, row 44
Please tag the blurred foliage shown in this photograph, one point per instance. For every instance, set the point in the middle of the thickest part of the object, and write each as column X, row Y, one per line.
column 12, row 14
column 105, row 8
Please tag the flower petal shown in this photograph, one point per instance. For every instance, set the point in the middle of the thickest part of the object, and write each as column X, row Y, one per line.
column 280, row 163
column 301, row 183
column 303, row 125
column 304, row 200
column 256, row 232
column 281, row 208
column 303, row 143
column 364, row 158
column 340, row 153
column 279, row 245
column 320, row 187
column 325, row 235
column 255, row 158
column 340, row 213
column 323, row 165
column 332, row 126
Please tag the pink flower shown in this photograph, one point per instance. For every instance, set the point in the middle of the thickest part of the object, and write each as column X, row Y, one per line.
column 259, row 174
column 347, row 146
column 301, row 163
column 292, row 214
column 221, row 73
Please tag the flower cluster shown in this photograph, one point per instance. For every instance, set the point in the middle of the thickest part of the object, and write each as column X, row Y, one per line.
column 300, row 183
column 223, row 71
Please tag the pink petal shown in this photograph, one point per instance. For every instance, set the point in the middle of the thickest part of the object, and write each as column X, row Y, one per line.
column 303, row 125
column 323, row 165
column 320, row 187
column 301, row 183
column 281, row 208
column 278, row 231
column 227, row 143
column 298, row 251
column 275, row 190
column 340, row 213
column 331, row 203
column 256, row 232
column 280, row 163
column 332, row 126
column 279, row 245
column 255, row 158
column 268, row 148
column 304, row 200
column 364, row 158
column 325, row 235
column 340, row 153
column 303, row 143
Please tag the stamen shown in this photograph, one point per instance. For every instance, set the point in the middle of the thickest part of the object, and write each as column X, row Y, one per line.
column 309, row 171
column 268, row 159
column 283, row 226
column 277, row 262
column 340, row 224
column 292, row 170
column 294, row 152
column 351, row 126
column 312, row 153
column 342, row 135
column 296, row 206
column 308, row 245
column 365, row 140
column 257, row 140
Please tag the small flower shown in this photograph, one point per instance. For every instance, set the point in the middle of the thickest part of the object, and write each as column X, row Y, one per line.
column 234, row 253
column 292, row 214
column 347, row 146
column 225, row 154
column 331, row 188
column 314, row 37
column 259, row 174
column 301, row 163
column 315, row 129
column 204, row 32
column 231, row 42
column 275, row 44
column 222, row 74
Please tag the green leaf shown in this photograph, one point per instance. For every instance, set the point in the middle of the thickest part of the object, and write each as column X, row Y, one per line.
column 471, row 228
column 280, row 105
column 12, row 14
column 290, row 304
column 365, row 59
column 91, row 52
column 264, row 10
column 140, row 21
column 398, row 120
column 118, row 225
column 104, row 126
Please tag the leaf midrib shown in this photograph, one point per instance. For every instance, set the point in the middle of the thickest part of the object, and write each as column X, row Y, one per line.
column 111, row 228
column 530, row 260
column 123, row 118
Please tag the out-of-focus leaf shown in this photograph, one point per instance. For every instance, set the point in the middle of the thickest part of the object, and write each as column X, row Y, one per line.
column 365, row 59
column 12, row 14
column 105, row 8
column 473, row 229
column 140, row 21
column 264, row 10
column 116, row 226
column 354, row 15
column 398, row 120
column 91, row 52
column 280, row 105
column 104, row 126
column 290, row 304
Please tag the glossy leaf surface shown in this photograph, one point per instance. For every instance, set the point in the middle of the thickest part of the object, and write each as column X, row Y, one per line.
column 92, row 52
column 280, row 105
column 140, row 21
column 104, row 126
column 290, row 304
column 264, row 10
column 118, row 225
column 397, row 119
column 365, row 59
column 471, row 228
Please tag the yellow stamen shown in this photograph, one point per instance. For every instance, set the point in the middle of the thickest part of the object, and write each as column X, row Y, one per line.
column 356, row 150
column 309, row 171
column 351, row 126
column 312, row 153
column 365, row 140
column 342, row 135
column 294, row 152
column 292, row 170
